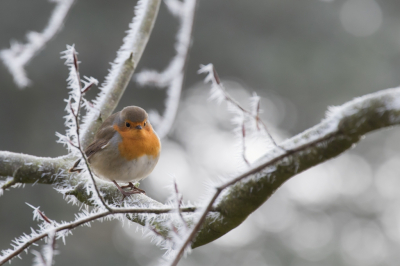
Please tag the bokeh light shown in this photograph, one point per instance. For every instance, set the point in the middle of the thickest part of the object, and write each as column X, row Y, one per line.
column 361, row 17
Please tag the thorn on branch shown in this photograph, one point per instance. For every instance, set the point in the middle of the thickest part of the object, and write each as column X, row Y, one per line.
column 179, row 203
column 44, row 217
column 216, row 77
column 71, row 143
column 76, row 63
column 71, row 108
column 87, row 88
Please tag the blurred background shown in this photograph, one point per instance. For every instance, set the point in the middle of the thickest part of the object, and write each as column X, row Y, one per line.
column 299, row 56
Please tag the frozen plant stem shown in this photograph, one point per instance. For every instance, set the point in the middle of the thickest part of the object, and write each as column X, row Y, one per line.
column 179, row 203
column 244, row 143
column 18, row 55
column 172, row 76
column 217, row 85
column 69, row 226
column 76, row 114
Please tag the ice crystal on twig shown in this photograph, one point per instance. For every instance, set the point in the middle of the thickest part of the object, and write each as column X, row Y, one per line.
column 172, row 76
column 45, row 258
column 241, row 115
column 18, row 55
column 75, row 103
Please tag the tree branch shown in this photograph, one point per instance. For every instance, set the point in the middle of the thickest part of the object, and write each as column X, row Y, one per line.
column 343, row 127
column 25, row 168
column 172, row 76
column 55, row 227
column 123, row 67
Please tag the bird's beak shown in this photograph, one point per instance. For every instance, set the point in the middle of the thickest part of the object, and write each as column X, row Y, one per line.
column 139, row 127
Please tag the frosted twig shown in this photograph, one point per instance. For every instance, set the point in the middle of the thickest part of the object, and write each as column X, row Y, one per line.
column 18, row 55
column 77, row 95
column 178, row 199
column 20, row 246
column 45, row 258
column 37, row 214
column 173, row 75
column 128, row 56
column 209, row 207
column 219, row 93
column 244, row 143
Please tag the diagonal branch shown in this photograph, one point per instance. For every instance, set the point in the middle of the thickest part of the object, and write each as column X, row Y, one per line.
column 219, row 93
column 172, row 76
column 18, row 55
column 122, row 68
column 20, row 247
column 340, row 130
column 343, row 127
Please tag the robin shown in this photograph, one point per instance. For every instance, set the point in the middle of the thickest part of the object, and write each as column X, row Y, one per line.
column 125, row 149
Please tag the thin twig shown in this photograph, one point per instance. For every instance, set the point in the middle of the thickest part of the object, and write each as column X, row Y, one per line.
column 216, row 80
column 76, row 113
column 91, row 218
column 244, row 143
column 219, row 189
column 50, row 249
column 179, row 204
column 45, row 218
column 195, row 229
column 172, row 77
column 18, row 55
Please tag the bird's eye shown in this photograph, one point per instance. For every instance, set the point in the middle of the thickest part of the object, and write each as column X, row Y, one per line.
column 127, row 124
column 145, row 123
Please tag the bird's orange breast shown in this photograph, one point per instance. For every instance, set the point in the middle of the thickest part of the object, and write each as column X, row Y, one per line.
column 137, row 144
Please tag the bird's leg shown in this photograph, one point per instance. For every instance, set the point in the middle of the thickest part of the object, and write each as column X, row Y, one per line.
column 133, row 187
column 134, row 190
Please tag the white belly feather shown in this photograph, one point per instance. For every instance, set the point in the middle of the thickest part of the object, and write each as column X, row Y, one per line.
column 108, row 165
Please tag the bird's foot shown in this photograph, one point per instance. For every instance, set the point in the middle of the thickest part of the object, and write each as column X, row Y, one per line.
column 133, row 189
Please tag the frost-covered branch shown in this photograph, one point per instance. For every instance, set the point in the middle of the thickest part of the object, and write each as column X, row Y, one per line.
column 173, row 75
column 219, row 93
column 75, row 103
column 342, row 128
column 128, row 56
column 63, row 229
column 18, row 168
column 18, row 55
column 45, row 258
column 179, row 201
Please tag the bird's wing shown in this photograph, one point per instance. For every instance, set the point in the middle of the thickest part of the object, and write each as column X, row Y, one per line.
column 96, row 146
column 103, row 136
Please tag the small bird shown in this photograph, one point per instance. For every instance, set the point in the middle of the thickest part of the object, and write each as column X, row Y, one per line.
column 125, row 149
